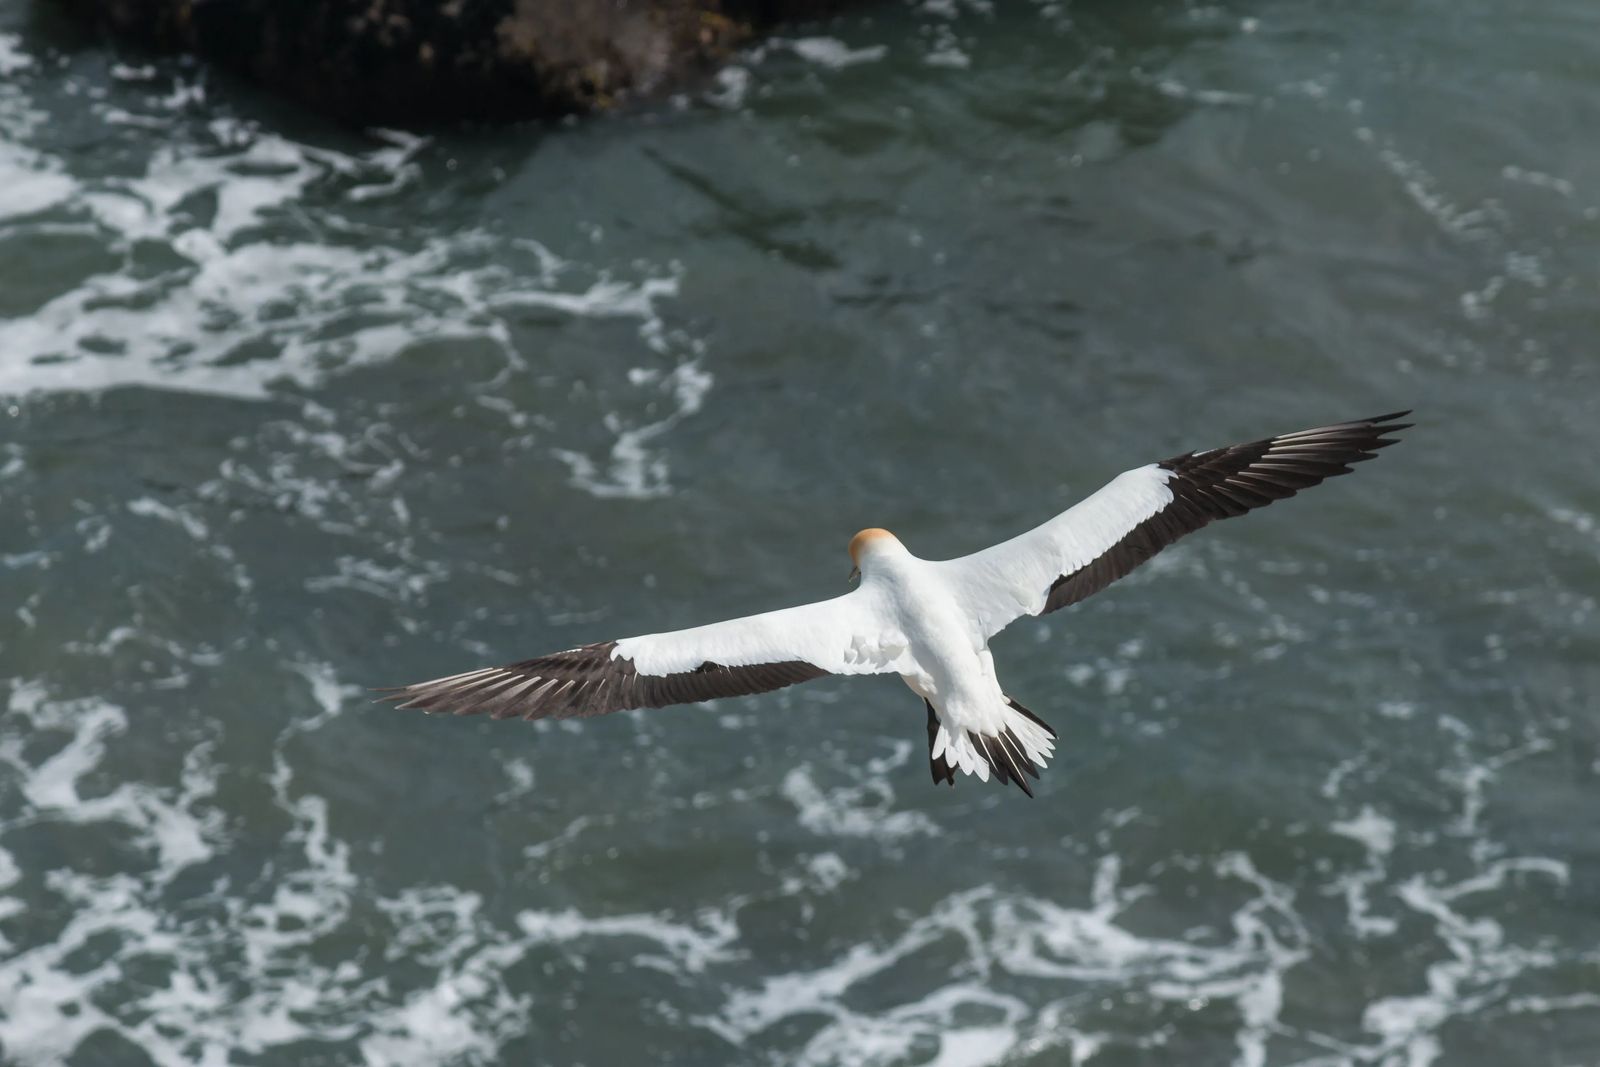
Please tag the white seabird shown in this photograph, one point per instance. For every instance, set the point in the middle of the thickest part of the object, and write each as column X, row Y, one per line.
column 929, row 621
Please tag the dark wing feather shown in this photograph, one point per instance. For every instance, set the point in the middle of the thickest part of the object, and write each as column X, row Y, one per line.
column 1225, row 482
column 589, row 681
column 941, row 768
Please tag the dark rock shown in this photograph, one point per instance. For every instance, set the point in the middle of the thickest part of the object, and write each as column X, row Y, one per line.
column 409, row 61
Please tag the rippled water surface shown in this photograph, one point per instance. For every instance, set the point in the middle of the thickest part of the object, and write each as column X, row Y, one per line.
column 291, row 410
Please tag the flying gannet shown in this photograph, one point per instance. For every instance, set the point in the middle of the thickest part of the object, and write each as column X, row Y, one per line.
column 929, row 621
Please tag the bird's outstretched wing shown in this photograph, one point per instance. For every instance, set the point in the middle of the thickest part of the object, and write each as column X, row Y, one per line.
column 755, row 654
column 1140, row 512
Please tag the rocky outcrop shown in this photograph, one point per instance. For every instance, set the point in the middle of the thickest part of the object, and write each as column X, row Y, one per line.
column 408, row 61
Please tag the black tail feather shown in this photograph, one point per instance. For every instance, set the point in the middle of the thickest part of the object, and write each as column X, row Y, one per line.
column 1019, row 754
column 1030, row 716
column 997, row 751
column 942, row 771
column 1005, row 755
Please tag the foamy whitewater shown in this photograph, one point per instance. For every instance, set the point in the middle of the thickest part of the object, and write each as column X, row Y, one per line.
column 289, row 411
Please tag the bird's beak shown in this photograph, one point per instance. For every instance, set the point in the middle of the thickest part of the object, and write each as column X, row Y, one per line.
column 855, row 572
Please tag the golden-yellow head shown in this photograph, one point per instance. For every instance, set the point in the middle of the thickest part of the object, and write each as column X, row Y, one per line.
column 863, row 542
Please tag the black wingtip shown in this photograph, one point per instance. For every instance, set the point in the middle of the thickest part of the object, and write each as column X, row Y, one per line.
column 1382, row 427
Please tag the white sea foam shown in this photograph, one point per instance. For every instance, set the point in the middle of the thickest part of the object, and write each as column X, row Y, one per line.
column 327, row 692
column 999, row 973
column 1371, row 829
column 832, row 52
column 248, row 971
column 32, row 183
column 1427, row 192
column 161, row 822
column 12, row 57
column 1537, row 179
column 633, row 469
column 856, row 1038
column 469, row 1008
column 1486, row 225
column 1475, row 973
column 733, row 87
column 244, row 979
column 46, row 998
column 1580, row 521
column 543, row 849
column 1376, row 833
column 152, row 508
column 973, row 1023
column 852, row 811
column 674, row 946
column 249, row 306
column 1214, row 97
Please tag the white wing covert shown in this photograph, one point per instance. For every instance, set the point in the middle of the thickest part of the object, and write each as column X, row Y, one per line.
column 1140, row 512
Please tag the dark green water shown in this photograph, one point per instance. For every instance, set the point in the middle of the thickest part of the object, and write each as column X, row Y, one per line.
column 290, row 411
